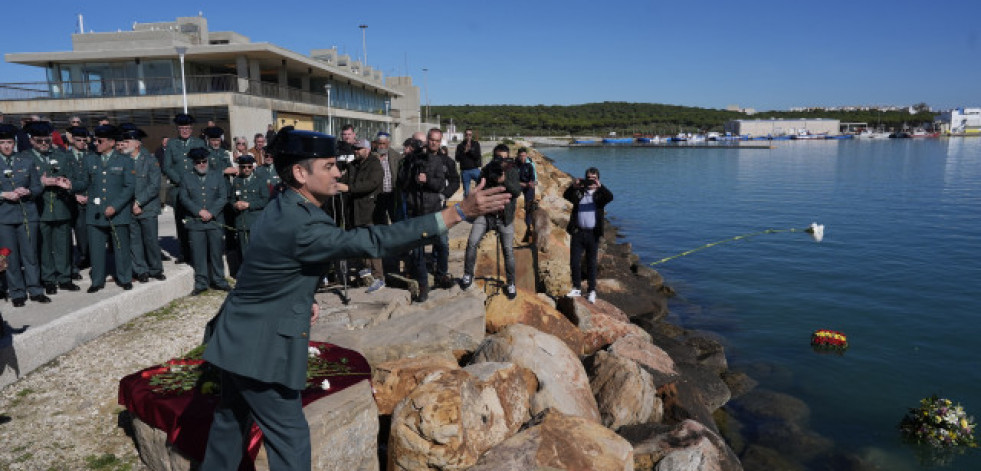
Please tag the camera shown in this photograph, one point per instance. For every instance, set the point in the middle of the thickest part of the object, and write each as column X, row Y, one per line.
column 588, row 182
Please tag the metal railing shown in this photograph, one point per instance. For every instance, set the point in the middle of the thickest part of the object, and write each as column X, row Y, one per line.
column 196, row 84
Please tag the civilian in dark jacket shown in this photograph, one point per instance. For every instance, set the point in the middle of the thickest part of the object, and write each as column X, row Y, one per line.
column 468, row 155
column 363, row 183
column 589, row 198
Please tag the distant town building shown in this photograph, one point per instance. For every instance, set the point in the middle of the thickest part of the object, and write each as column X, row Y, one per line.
column 142, row 76
column 960, row 121
column 782, row 127
column 736, row 108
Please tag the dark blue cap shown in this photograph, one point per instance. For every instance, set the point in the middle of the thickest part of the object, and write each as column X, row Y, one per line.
column 213, row 132
column 38, row 128
column 130, row 131
column 246, row 159
column 107, row 131
column 183, row 119
column 8, row 131
column 78, row 131
column 198, row 153
column 291, row 145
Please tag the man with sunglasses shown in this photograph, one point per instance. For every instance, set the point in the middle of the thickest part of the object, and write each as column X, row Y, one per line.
column 144, row 231
column 54, row 207
column 20, row 184
column 247, row 197
column 76, row 157
column 176, row 165
column 204, row 193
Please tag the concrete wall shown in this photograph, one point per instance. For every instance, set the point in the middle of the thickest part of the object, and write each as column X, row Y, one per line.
column 247, row 121
column 778, row 127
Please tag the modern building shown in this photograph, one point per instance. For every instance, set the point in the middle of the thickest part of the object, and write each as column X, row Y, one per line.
column 960, row 121
column 782, row 127
column 156, row 70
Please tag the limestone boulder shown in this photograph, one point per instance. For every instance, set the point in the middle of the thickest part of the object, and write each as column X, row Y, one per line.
column 156, row 453
column 556, row 441
column 454, row 416
column 625, row 392
column 687, row 446
column 601, row 323
column 393, row 380
column 563, row 383
column 652, row 358
column 531, row 310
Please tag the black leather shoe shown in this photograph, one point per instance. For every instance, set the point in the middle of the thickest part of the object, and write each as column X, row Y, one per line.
column 94, row 289
column 126, row 286
column 179, row 261
column 69, row 286
column 50, row 289
column 76, row 276
column 84, row 263
column 164, row 257
column 3, row 294
column 445, row 282
column 197, row 291
column 40, row 298
column 224, row 288
column 423, row 295
column 143, row 277
column 19, row 302
column 159, row 276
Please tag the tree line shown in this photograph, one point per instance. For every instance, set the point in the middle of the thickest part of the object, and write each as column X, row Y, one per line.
column 627, row 119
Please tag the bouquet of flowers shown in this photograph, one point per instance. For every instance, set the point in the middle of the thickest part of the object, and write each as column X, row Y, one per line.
column 943, row 426
column 825, row 339
column 4, row 253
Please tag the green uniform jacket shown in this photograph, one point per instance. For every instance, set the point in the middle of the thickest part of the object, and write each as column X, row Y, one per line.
column 147, row 193
column 22, row 173
column 109, row 184
column 176, row 163
column 263, row 327
column 219, row 159
column 209, row 193
column 55, row 204
column 267, row 173
column 252, row 190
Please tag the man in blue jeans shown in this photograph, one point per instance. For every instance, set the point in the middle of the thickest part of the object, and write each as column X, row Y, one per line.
column 588, row 197
column 468, row 155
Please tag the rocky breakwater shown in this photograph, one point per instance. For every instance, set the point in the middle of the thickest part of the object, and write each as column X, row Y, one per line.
column 472, row 380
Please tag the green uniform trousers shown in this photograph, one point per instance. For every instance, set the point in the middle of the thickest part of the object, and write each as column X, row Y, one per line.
column 23, row 272
column 206, row 251
column 56, row 252
column 99, row 238
column 145, row 242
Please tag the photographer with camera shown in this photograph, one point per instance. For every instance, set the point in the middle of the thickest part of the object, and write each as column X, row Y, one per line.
column 362, row 183
column 423, row 178
column 501, row 171
column 588, row 197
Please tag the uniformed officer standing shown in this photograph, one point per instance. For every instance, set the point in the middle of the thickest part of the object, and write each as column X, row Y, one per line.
column 144, row 232
column 248, row 197
column 267, row 173
column 54, row 206
column 259, row 338
column 76, row 153
column 175, row 165
column 204, row 194
column 19, row 186
column 108, row 180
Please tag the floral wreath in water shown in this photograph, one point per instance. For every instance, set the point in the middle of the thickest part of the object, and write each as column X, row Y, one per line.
column 825, row 339
column 942, row 425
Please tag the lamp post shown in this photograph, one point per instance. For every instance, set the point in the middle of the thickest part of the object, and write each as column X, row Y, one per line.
column 181, row 50
column 388, row 125
column 364, row 45
column 330, row 124
column 425, row 83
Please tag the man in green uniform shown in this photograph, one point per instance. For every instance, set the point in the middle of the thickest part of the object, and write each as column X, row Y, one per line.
column 248, row 196
column 204, row 194
column 175, row 165
column 54, row 207
column 76, row 153
column 259, row 338
column 267, row 174
column 108, row 179
column 144, row 232
column 20, row 185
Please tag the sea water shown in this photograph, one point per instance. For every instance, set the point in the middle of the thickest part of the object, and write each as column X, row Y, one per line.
column 898, row 271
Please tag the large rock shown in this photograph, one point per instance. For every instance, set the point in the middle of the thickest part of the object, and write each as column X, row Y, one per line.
column 687, row 446
column 453, row 417
column 625, row 392
column 563, row 384
column 556, row 441
column 601, row 323
column 343, row 436
column 450, row 323
column 393, row 380
column 652, row 358
column 531, row 310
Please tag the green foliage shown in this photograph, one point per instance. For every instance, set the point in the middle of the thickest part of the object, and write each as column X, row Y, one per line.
column 626, row 119
column 107, row 462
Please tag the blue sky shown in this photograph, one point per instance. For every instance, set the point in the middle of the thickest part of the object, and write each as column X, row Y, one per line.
column 757, row 54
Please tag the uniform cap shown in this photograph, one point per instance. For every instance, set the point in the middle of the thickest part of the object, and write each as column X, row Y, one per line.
column 183, row 119
column 291, row 145
column 246, row 159
column 130, row 131
column 198, row 153
column 107, row 131
column 8, row 131
column 78, row 131
column 38, row 128
column 213, row 132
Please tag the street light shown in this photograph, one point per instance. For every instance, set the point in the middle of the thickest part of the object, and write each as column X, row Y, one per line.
column 425, row 83
column 364, row 44
column 181, row 50
column 330, row 124
column 388, row 104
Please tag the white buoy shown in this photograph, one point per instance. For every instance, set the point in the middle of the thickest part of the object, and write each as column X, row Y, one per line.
column 817, row 231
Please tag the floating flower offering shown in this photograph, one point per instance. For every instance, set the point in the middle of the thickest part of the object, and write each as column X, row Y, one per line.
column 940, row 423
column 829, row 340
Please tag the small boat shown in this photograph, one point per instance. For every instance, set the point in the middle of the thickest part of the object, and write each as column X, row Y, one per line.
column 841, row 136
column 807, row 136
column 618, row 140
column 899, row 135
column 584, row 141
column 645, row 140
column 920, row 132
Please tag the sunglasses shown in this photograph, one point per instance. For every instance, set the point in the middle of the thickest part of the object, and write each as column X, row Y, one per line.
column 42, row 140
column 246, row 166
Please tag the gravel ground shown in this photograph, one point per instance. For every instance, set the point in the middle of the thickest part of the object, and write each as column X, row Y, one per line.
column 65, row 416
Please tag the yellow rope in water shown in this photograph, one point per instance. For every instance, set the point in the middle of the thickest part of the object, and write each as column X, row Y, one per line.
column 732, row 239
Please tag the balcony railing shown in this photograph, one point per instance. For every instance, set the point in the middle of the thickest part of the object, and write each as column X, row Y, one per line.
column 196, row 84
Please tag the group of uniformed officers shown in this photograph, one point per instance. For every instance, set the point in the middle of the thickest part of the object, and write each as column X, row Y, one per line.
column 105, row 188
